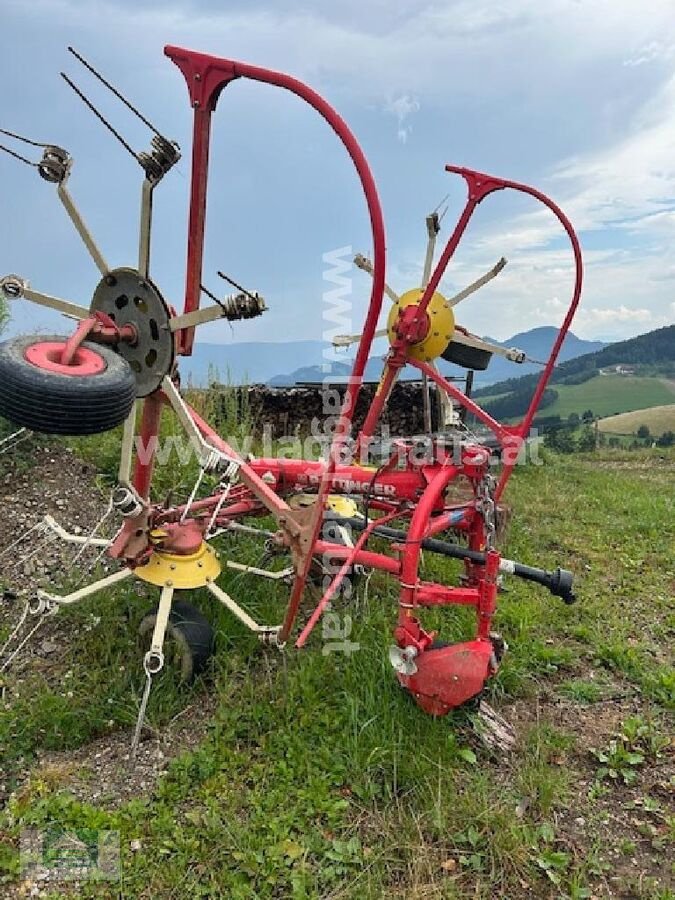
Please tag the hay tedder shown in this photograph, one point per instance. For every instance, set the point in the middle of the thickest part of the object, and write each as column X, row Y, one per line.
column 119, row 367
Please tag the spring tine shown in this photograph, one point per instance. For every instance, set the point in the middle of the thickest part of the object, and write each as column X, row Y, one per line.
column 212, row 296
column 92, row 534
column 114, row 90
column 48, row 539
column 12, row 435
column 39, row 526
column 20, row 647
column 98, row 115
column 237, row 286
column 17, row 628
column 12, row 440
column 17, row 156
column 24, row 140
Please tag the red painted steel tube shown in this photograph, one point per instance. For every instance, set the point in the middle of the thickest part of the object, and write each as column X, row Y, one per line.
column 443, row 522
column 384, row 389
column 471, row 177
column 429, row 594
column 329, row 593
column 505, row 436
column 365, row 558
column 418, row 526
column 250, row 478
column 206, row 76
column 201, row 134
column 152, row 411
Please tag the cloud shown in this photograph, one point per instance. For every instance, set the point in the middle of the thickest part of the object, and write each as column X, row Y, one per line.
column 403, row 107
column 575, row 98
column 651, row 52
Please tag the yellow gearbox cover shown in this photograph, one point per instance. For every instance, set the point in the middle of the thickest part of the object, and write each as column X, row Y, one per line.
column 190, row 570
column 342, row 506
column 441, row 324
column 337, row 503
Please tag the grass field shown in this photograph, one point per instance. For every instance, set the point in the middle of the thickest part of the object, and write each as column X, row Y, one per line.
column 312, row 775
column 607, row 395
column 658, row 419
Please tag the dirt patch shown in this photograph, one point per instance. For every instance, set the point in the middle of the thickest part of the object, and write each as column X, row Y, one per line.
column 60, row 484
column 621, row 831
column 104, row 772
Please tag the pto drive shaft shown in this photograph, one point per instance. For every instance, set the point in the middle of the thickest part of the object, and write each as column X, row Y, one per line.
column 559, row 582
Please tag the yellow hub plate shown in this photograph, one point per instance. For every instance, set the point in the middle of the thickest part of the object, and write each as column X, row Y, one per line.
column 191, row 570
column 441, row 324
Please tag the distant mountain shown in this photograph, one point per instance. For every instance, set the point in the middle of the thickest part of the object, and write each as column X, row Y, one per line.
column 536, row 344
column 292, row 361
column 652, row 349
column 248, row 362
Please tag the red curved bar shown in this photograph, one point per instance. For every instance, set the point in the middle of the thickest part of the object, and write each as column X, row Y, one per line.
column 206, row 76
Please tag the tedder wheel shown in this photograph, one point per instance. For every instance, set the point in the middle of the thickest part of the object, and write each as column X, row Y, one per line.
column 467, row 357
column 190, row 634
column 93, row 394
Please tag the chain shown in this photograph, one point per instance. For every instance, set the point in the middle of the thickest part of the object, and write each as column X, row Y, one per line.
column 485, row 496
column 142, row 709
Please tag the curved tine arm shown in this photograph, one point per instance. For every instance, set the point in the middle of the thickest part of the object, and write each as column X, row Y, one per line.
column 433, row 224
column 472, row 340
column 80, row 227
column 363, row 263
column 478, row 283
column 345, row 340
column 73, row 310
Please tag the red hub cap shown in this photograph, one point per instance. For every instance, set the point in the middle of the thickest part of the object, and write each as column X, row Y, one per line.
column 47, row 355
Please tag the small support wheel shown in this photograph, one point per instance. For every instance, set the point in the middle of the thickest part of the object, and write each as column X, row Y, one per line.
column 189, row 639
column 93, row 394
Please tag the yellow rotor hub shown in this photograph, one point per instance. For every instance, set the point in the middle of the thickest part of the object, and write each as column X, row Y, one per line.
column 441, row 324
column 181, row 571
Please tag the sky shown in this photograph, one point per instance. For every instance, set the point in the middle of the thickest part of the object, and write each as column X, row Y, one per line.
column 575, row 97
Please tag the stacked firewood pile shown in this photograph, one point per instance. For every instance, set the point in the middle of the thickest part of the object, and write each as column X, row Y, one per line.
column 305, row 409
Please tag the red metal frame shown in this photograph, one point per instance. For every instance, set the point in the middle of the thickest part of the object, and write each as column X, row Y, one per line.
column 411, row 492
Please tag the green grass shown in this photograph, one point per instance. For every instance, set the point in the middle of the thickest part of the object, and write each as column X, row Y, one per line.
column 318, row 777
column 658, row 419
column 607, row 395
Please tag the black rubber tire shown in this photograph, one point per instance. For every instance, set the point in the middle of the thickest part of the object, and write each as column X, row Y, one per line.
column 52, row 403
column 467, row 357
column 191, row 634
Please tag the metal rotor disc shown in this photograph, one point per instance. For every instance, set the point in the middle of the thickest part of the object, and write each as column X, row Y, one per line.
column 131, row 300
